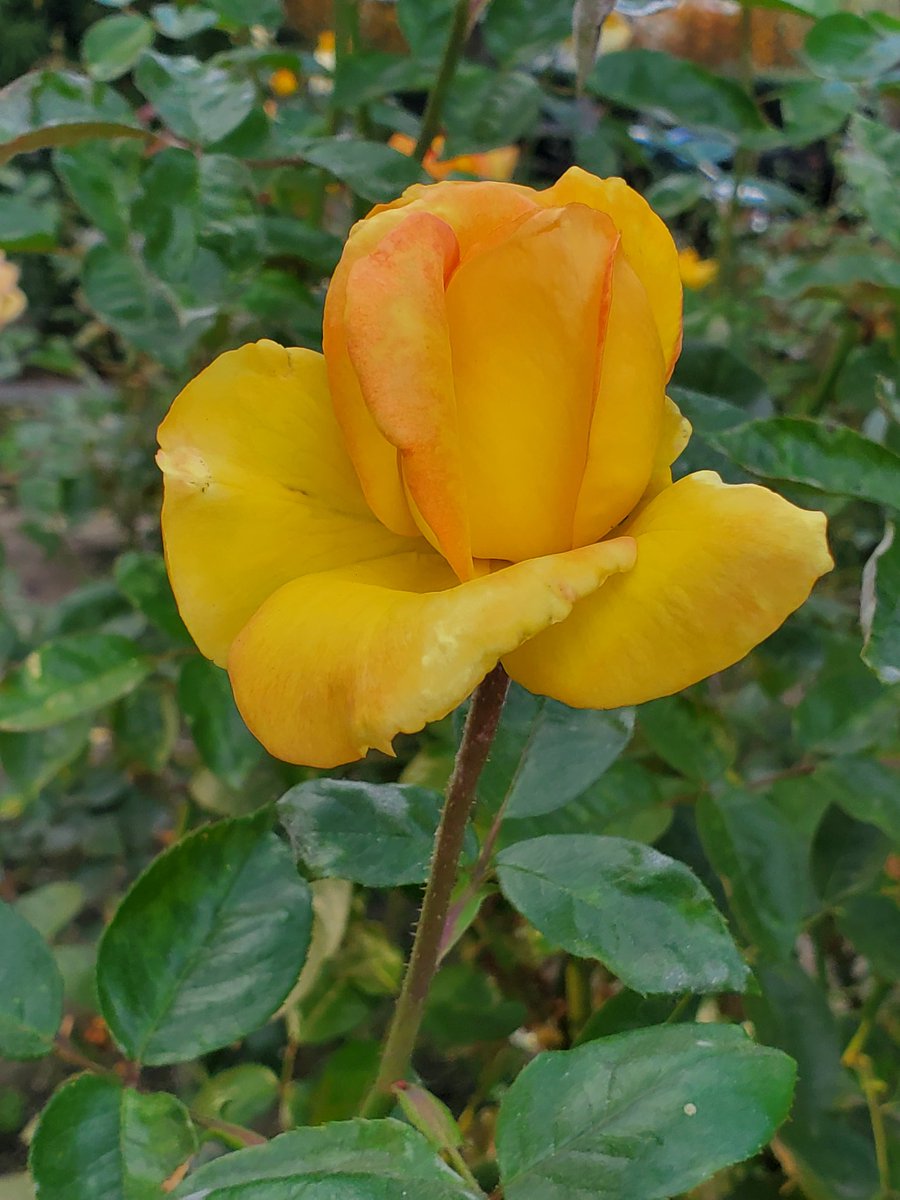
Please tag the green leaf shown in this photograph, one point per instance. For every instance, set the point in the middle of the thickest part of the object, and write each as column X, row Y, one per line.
column 238, row 1094
column 146, row 725
column 362, row 1160
column 847, row 46
column 872, row 923
column 52, row 906
column 225, row 743
column 102, row 177
column 167, row 213
column 628, row 1010
column 803, row 8
column 650, row 80
column 240, row 14
column 32, row 760
column 465, row 1007
column 123, row 294
column 223, row 922
column 847, row 857
column 546, row 754
column 687, row 737
column 144, row 580
column 372, row 170
column 814, row 108
column 871, row 162
column 179, row 23
column 331, row 1010
column 49, row 108
column 627, row 801
column 864, row 788
column 832, row 1159
column 344, row 1082
column 833, row 274
column 879, row 608
column 830, row 459
column 426, row 26
column 645, row 916
column 379, row 835
column 31, row 989
column 368, row 75
column 486, row 108
column 646, row 1114
column 112, row 46
column 199, row 102
column 99, row 1141
column 299, row 239
column 516, row 31
column 676, row 194
column 848, row 709
column 763, row 862
column 26, row 226
column 719, row 373
column 68, row 677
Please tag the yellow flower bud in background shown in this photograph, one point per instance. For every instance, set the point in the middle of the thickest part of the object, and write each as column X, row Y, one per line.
column 12, row 299
column 696, row 272
column 283, row 82
column 488, row 164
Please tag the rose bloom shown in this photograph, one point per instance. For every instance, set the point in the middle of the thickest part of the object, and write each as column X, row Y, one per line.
column 477, row 470
column 696, row 272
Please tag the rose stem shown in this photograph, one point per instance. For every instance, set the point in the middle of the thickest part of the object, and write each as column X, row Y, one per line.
column 481, row 725
column 431, row 119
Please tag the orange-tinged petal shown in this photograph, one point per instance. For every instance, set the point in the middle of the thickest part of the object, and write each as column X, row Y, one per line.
column 473, row 210
column 628, row 413
column 718, row 569
column 525, row 316
column 646, row 241
column 373, row 456
column 399, row 346
column 335, row 663
column 258, row 489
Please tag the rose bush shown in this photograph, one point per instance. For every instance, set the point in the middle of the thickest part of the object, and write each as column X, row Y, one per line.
column 477, row 470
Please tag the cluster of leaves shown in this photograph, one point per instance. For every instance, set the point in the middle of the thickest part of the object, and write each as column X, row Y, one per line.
column 636, row 885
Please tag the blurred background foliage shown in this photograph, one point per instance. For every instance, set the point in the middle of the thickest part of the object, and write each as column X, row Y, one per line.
column 177, row 179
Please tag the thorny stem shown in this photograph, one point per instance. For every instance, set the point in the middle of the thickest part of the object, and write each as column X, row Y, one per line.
column 478, row 734
column 431, row 119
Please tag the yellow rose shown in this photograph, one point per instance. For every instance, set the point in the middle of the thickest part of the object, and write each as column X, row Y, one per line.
column 476, row 471
column 489, row 164
column 696, row 272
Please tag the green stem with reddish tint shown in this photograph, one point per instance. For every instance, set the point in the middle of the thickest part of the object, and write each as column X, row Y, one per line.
column 478, row 734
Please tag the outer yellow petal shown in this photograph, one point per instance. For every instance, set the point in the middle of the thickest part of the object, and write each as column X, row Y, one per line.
column 647, row 243
column 399, row 345
column 718, row 569
column 525, row 317
column 258, row 489
column 335, row 663
column 674, row 436
column 628, row 413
